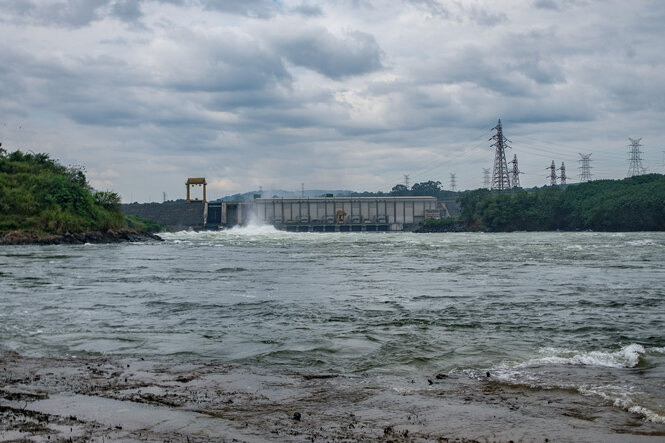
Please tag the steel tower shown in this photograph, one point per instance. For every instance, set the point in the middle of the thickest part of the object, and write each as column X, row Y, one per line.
column 585, row 168
column 552, row 175
column 500, row 175
column 515, row 173
column 635, row 167
column 562, row 177
column 486, row 178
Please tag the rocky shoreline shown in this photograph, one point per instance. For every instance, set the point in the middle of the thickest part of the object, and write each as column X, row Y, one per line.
column 132, row 399
column 121, row 235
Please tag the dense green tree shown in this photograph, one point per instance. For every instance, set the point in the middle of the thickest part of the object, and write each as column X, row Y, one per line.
column 400, row 190
column 633, row 204
column 430, row 188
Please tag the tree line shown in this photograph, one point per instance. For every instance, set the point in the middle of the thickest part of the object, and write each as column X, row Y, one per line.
column 633, row 204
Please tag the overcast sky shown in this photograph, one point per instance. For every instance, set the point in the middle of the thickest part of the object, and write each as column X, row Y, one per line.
column 335, row 94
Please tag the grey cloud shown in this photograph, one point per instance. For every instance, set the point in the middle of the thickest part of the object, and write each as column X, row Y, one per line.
column 127, row 10
column 475, row 65
column 320, row 51
column 224, row 63
column 432, row 6
column 308, row 10
column 72, row 13
column 555, row 5
column 248, row 8
column 487, row 18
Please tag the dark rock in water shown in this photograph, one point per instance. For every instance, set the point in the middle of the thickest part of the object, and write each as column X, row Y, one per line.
column 121, row 235
column 297, row 416
column 487, row 373
column 441, row 376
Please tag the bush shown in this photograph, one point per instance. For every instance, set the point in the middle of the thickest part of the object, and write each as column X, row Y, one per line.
column 39, row 194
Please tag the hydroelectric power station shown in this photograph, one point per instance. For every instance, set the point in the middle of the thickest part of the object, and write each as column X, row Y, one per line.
column 304, row 214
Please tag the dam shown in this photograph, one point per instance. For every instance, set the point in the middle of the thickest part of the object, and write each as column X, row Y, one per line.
column 305, row 214
column 333, row 214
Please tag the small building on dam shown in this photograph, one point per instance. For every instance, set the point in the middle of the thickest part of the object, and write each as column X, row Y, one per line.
column 306, row 214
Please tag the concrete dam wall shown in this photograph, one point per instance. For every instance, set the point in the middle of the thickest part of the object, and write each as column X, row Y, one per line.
column 320, row 214
column 173, row 215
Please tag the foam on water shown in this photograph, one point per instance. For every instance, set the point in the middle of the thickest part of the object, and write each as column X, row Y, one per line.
column 622, row 397
column 548, row 372
column 626, row 357
column 245, row 232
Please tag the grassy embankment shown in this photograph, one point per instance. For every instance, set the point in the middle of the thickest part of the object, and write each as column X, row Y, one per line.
column 631, row 204
column 41, row 196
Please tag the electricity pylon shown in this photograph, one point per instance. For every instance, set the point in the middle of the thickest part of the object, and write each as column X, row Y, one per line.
column 515, row 173
column 562, row 177
column 585, row 168
column 500, row 175
column 552, row 175
column 635, row 167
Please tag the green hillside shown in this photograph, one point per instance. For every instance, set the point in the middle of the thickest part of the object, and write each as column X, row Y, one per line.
column 40, row 195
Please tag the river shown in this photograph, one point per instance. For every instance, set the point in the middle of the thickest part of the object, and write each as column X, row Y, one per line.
column 579, row 311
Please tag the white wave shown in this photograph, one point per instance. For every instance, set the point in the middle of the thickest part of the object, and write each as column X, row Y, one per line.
column 621, row 395
column 235, row 232
column 626, row 357
column 623, row 398
column 254, row 229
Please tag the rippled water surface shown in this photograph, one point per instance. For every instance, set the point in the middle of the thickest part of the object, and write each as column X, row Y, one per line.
column 576, row 310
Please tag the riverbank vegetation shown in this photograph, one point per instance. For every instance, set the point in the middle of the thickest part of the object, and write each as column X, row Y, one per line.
column 633, row 204
column 40, row 196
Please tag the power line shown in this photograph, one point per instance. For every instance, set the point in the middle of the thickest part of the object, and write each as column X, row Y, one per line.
column 460, row 154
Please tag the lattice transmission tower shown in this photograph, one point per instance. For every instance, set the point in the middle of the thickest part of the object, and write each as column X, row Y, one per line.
column 552, row 175
column 500, row 174
column 562, row 177
column 486, row 178
column 585, row 167
column 515, row 173
column 406, row 180
column 635, row 167
column 453, row 182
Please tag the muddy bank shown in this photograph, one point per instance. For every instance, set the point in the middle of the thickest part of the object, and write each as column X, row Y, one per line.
column 111, row 236
column 131, row 399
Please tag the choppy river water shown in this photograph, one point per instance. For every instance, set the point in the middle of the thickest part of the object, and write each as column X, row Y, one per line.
column 580, row 311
